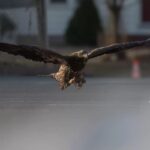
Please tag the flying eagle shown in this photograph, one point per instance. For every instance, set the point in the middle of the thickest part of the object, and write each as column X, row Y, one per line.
column 71, row 66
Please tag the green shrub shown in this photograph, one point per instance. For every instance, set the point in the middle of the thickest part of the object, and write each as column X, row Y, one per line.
column 85, row 25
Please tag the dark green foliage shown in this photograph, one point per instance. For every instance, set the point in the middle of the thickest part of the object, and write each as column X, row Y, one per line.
column 6, row 24
column 85, row 25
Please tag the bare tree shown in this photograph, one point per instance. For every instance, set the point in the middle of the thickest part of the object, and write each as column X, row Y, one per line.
column 41, row 20
column 115, row 7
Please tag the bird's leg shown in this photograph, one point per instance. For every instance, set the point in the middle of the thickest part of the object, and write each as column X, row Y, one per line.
column 78, row 79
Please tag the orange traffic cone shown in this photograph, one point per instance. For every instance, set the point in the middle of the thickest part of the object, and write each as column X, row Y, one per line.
column 136, row 72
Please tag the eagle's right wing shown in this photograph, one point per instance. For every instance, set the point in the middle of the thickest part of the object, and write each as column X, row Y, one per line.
column 115, row 48
column 33, row 53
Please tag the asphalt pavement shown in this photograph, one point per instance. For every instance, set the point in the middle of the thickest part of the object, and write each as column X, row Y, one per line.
column 106, row 114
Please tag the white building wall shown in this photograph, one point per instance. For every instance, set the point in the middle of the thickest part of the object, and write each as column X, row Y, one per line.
column 131, row 17
column 131, row 20
column 21, row 17
column 59, row 15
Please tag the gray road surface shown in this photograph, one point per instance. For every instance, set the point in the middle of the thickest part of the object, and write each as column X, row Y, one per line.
column 107, row 114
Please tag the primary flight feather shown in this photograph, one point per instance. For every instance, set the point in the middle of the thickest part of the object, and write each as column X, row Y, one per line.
column 70, row 65
column 32, row 52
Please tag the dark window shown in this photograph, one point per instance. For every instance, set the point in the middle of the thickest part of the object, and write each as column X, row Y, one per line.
column 58, row 1
column 146, row 10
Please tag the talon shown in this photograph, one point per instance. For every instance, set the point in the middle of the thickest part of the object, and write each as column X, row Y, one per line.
column 71, row 81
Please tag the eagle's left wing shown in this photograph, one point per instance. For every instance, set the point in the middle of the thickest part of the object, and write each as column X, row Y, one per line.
column 33, row 53
column 116, row 48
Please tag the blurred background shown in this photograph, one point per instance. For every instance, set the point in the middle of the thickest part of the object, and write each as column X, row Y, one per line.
column 111, row 112
column 68, row 25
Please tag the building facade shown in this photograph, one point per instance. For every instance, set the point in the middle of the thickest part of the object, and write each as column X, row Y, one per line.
column 135, row 18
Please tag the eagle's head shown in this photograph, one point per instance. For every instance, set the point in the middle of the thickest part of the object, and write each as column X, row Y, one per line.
column 80, row 54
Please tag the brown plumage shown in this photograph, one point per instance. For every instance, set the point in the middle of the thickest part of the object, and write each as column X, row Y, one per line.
column 70, row 65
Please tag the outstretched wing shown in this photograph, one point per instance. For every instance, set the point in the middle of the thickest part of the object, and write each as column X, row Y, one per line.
column 33, row 53
column 116, row 48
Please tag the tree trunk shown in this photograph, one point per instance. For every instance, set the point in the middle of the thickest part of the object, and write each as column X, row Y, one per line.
column 117, row 35
column 115, row 11
column 42, row 23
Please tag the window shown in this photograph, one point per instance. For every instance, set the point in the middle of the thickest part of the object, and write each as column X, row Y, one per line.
column 146, row 10
column 58, row 1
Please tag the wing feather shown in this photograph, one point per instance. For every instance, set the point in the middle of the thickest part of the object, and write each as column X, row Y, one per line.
column 33, row 53
column 115, row 48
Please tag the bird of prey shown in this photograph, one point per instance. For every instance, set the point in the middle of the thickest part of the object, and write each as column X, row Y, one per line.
column 71, row 66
